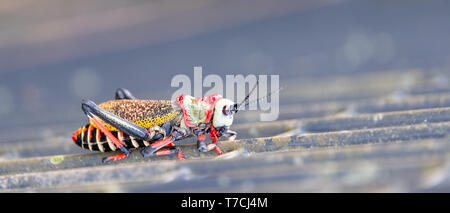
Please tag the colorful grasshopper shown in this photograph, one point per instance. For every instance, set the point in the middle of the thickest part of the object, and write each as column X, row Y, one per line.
column 126, row 123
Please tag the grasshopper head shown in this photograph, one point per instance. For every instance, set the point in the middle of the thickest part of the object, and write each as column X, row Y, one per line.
column 223, row 113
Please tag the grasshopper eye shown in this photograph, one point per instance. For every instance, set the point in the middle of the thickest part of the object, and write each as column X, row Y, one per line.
column 229, row 109
column 226, row 111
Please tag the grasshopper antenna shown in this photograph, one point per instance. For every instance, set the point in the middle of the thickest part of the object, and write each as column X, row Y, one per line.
column 248, row 95
column 247, row 103
column 235, row 108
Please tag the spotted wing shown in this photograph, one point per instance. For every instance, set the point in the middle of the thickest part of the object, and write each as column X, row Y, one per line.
column 145, row 113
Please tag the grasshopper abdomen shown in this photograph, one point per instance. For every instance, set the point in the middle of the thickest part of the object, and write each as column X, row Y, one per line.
column 90, row 137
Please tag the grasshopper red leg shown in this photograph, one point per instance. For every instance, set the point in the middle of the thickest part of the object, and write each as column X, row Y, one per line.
column 115, row 157
column 214, row 147
column 202, row 147
column 156, row 151
column 180, row 155
column 108, row 134
column 217, row 149
column 168, row 151
column 149, row 150
column 116, row 142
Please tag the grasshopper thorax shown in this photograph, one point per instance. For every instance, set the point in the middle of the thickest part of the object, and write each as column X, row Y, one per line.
column 204, row 110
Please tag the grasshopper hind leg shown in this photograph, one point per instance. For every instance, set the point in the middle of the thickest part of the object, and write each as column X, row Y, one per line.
column 95, row 114
column 171, row 150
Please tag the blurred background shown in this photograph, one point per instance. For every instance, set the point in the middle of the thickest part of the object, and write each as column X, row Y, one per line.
column 54, row 53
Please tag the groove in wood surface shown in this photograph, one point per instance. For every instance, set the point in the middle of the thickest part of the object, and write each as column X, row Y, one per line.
column 268, row 144
column 425, row 160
